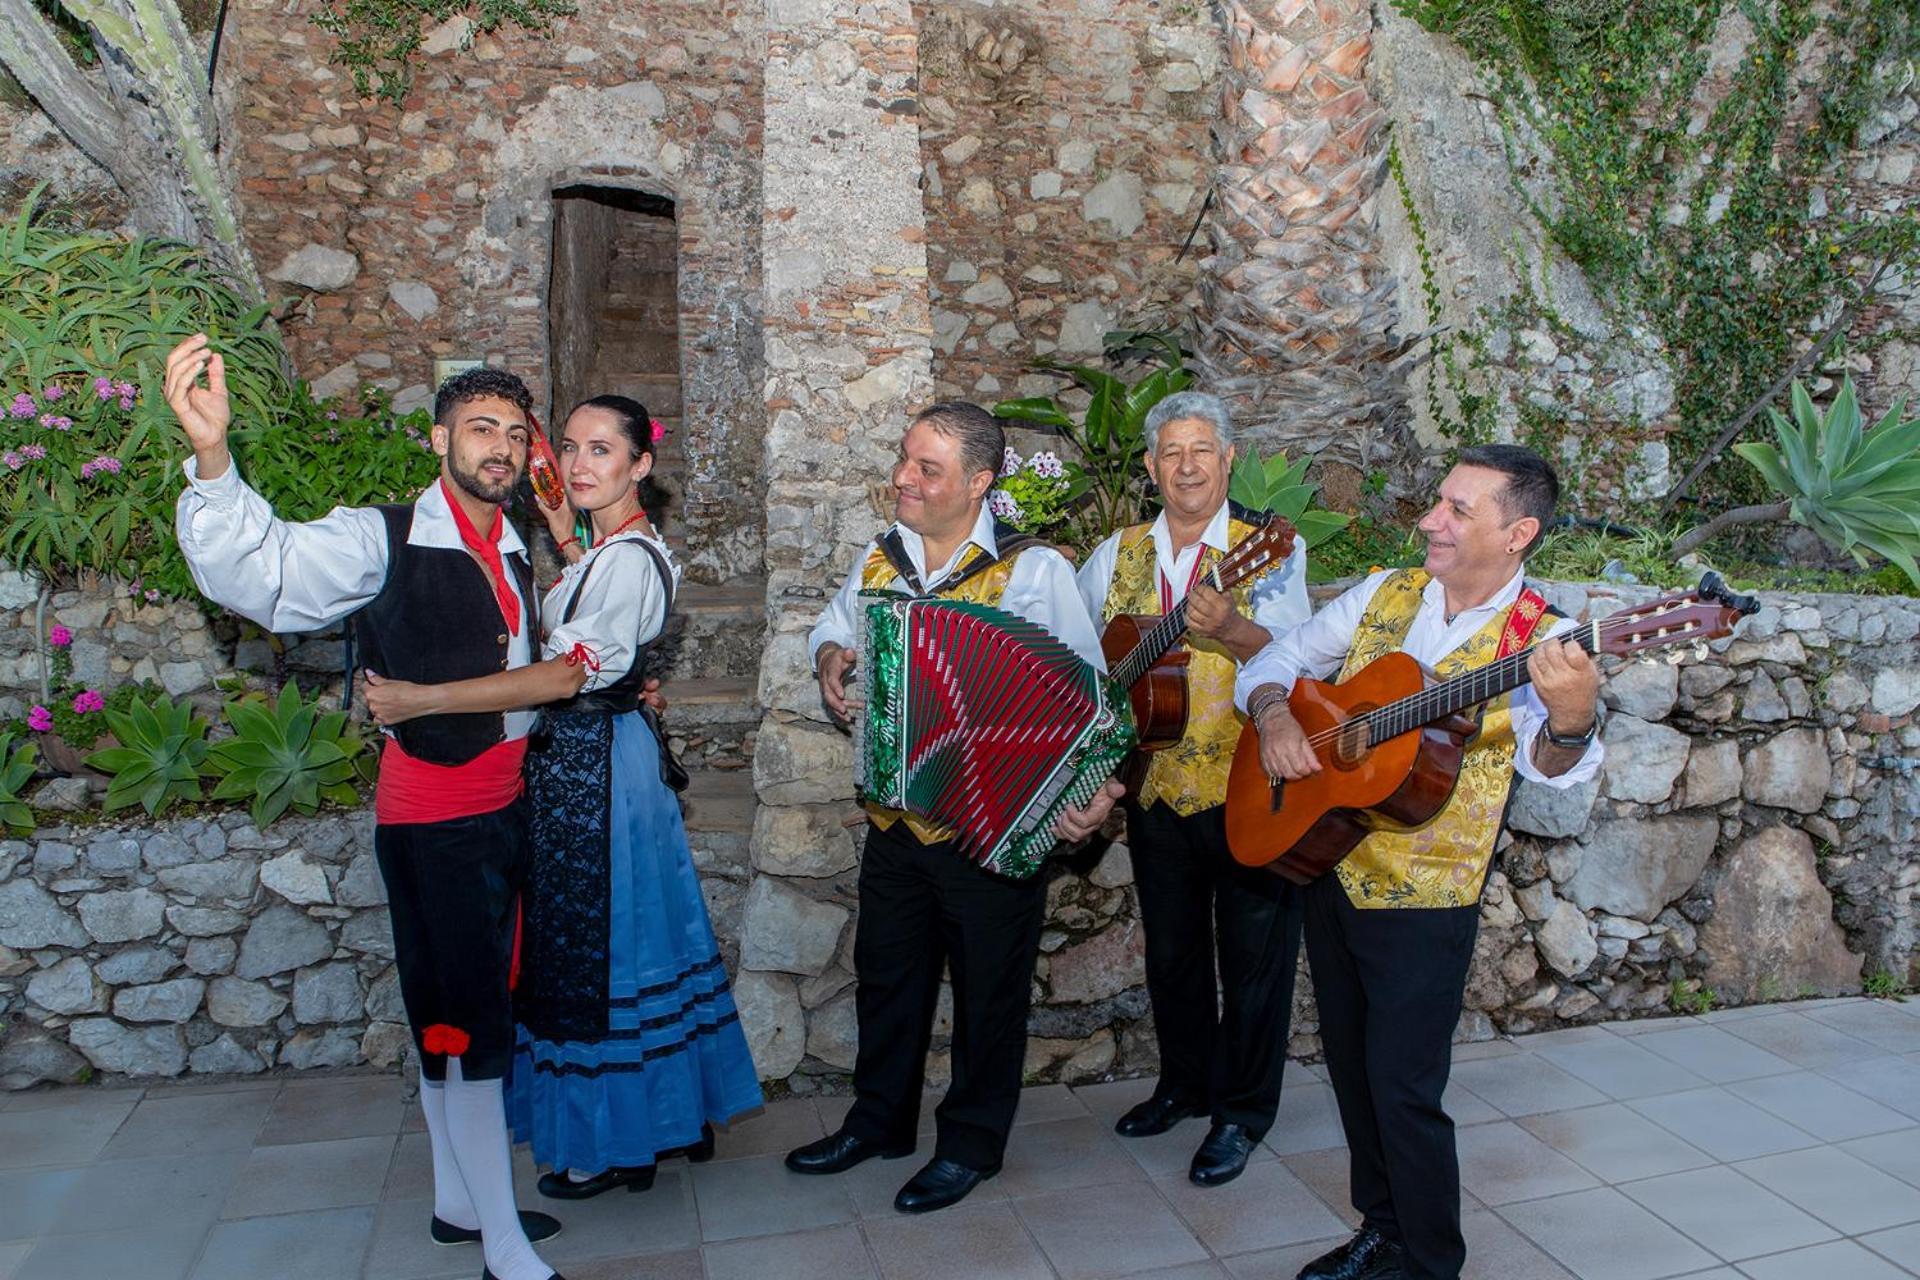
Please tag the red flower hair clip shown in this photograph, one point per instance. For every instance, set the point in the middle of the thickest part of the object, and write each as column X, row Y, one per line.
column 658, row 428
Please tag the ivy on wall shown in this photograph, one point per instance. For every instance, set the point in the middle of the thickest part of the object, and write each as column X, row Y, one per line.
column 1725, row 219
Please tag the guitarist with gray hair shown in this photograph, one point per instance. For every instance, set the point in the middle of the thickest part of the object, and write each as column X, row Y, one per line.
column 1390, row 932
column 1221, row 1049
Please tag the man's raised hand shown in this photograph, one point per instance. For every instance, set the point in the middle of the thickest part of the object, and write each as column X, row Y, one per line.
column 204, row 412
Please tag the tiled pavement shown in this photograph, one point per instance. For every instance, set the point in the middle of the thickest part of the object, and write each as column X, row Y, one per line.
column 1775, row 1143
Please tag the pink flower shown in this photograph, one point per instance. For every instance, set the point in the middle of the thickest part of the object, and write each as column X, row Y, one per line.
column 54, row 422
column 152, row 595
column 39, row 719
column 52, row 391
column 87, row 701
column 659, row 429
column 103, row 387
column 58, row 636
column 23, row 406
column 124, row 389
column 12, row 460
column 33, row 452
column 105, row 464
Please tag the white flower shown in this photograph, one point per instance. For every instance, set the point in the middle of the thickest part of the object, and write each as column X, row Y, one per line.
column 1009, row 462
column 1001, row 503
column 1047, row 465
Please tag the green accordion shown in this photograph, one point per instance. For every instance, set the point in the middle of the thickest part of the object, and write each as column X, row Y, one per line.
column 983, row 723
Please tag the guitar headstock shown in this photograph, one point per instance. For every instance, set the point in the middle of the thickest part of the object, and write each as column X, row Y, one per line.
column 1265, row 548
column 1707, row 612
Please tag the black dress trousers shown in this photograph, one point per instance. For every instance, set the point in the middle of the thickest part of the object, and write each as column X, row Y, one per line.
column 922, row 907
column 1389, row 982
column 1222, row 1048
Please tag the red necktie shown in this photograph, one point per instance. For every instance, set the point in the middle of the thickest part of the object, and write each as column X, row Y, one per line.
column 488, row 549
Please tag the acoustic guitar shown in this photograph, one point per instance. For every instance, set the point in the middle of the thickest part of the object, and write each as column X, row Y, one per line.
column 1144, row 653
column 1390, row 743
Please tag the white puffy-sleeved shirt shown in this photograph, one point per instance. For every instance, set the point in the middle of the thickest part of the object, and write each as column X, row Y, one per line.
column 622, row 604
column 1318, row 647
column 1279, row 595
column 289, row 576
column 1040, row 589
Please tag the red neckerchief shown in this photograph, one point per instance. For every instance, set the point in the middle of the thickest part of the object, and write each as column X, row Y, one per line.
column 488, row 549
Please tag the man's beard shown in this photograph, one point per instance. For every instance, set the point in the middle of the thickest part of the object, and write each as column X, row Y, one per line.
column 476, row 485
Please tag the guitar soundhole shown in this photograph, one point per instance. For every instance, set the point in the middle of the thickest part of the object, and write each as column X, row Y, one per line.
column 1351, row 745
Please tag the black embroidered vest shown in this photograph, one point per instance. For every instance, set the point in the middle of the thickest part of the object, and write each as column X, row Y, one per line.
column 436, row 620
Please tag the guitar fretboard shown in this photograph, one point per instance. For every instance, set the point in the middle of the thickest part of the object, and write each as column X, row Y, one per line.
column 1449, row 697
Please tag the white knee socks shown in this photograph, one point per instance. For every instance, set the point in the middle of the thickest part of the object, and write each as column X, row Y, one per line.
column 476, row 1122
column 451, row 1203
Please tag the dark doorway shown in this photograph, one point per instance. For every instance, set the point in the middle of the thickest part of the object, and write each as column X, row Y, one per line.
column 613, row 308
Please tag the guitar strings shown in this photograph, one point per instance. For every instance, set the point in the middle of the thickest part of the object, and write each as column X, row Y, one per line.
column 1432, row 702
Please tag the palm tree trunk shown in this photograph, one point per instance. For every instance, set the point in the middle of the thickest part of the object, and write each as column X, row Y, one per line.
column 1298, row 308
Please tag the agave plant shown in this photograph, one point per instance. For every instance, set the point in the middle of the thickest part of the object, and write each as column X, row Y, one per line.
column 16, row 766
column 161, row 757
column 1276, row 485
column 285, row 753
column 1858, row 489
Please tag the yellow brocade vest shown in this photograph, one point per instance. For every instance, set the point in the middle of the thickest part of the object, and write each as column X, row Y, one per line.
column 1442, row 863
column 985, row 587
column 1190, row 775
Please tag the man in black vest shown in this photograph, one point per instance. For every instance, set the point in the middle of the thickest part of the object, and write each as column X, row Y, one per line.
column 439, row 590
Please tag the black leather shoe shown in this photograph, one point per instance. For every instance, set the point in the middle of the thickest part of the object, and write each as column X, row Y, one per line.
column 1368, row 1256
column 839, row 1152
column 939, row 1184
column 1222, row 1157
column 538, row 1226
column 558, row 1186
column 701, row 1151
column 1155, row 1115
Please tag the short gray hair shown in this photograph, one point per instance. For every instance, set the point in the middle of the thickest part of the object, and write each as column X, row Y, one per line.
column 1180, row 405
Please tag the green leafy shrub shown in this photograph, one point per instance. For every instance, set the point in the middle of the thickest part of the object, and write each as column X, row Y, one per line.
column 161, row 757
column 1281, row 487
column 1107, row 483
column 378, row 41
column 285, row 753
column 1859, row 490
column 16, row 768
column 91, row 453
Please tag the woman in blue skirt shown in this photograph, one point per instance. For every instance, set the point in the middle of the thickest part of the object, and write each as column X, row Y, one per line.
column 629, row 1045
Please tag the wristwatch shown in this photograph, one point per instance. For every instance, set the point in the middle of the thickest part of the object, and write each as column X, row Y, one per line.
column 1573, row 742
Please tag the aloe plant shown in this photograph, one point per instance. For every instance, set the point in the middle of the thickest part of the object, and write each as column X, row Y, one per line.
column 161, row 757
column 1276, row 485
column 286, row 753
column 16, row 767
column 1859, row 489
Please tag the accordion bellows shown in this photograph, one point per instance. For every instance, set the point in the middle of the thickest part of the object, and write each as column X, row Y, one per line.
column 984, row 723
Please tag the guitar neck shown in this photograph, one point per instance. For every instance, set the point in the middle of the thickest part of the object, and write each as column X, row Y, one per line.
column 1152, row 647
column 1450, row 697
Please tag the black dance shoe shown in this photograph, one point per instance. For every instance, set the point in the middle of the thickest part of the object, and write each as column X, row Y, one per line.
column 1368, row 1256
column 538, row 1226
column 558, row 1186
column 1222, row 1157
column 939, row 1184
column 839, row 1152
column 1156, row 1115
column 696, row 1153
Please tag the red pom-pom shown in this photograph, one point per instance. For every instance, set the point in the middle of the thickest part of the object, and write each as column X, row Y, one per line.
column 443, row 1039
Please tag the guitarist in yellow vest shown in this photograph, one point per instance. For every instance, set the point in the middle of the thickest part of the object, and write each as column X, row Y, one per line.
column 1390, row 932
column 923, row 905
column 1221, row 1049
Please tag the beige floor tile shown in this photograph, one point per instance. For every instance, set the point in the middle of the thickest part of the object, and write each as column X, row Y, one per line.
column 970, row 1241
column 311, row 1175
column 1266, row 1207
column 835, row 1253
column 1126, row 1228
column 760, row 1196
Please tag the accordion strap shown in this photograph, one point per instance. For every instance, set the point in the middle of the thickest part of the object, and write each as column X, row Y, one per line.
column 1009, row 540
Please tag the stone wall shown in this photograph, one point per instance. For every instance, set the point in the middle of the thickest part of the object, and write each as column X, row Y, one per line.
column 1753, row 834
column 1066, row 159
column 406, row 234
column 196, row 945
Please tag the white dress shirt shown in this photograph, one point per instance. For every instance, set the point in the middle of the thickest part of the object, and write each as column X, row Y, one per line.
column 1318, row 648
column 1041, row 590
column 622, row 606
column 308, row 576
column 1279, row 595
